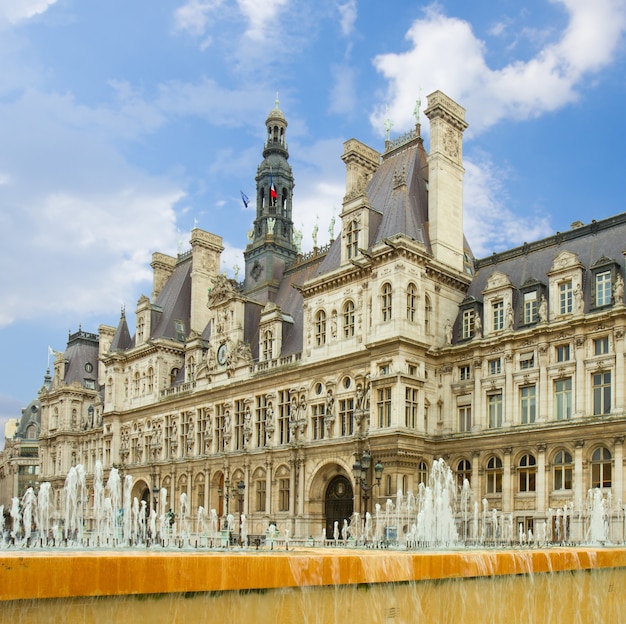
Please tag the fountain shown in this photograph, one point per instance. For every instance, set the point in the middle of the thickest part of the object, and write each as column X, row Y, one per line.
column 424, row 555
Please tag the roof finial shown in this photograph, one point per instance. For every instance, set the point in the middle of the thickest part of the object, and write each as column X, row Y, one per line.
column 388, row 124
column 418, row 104
column 276, row 101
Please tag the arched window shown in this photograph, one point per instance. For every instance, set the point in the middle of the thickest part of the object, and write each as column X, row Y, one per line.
column 320, row 328
column 422, row 473
column 494, row 476
column 352, row 239
column 141, row 324
column 386, row 300
column 173, row 375
column 191, row 368
column 136, row 384
column 348, row 319
column 601, row 468
column 405, row 484
column 428, row 311
column 411, row 302
column 150, row 379
column 268, row 345
column 562, row 471
column 463, row 472
column 527, row 473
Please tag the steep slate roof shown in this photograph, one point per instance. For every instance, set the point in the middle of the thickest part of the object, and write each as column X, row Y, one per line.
column 121, row 339
column 399, row 208
column 404, row 207
column 606, row 238
column 81, row 358
column 173, row 303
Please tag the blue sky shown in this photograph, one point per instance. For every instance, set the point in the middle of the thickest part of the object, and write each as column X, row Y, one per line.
column 123, row 123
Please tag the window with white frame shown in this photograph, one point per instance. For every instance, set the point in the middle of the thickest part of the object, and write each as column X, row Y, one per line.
column 562, row 472
column 530, row 307
column 352, row 239
column 467, row 330
column 527, row 360
column 348, row 319
column 320, row 328
column 527, row 473
column 528, row 403
column 465, row 372
column 494, row 475
column 383, row 405
column 495, row 366
column 411, row 407
column 497, row 315
column 566, row 297
column 411, row 302
column 563, row 399
column 563, row 353
column 494, row 409
column 601, row 393
column 603, row 288
column 601, row 468
column 601, row 346
column 386, row 301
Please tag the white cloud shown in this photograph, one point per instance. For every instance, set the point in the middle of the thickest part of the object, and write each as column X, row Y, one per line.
column 259, row 15
column 445, row 54
column 348, row 15
column 79, row 223
column 194, row 16
column 14, row 11
column 489, row 225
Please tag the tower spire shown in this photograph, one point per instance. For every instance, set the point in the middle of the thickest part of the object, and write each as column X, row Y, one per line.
column 272, row 235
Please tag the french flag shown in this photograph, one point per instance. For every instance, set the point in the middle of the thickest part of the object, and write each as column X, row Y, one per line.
column 273, row 194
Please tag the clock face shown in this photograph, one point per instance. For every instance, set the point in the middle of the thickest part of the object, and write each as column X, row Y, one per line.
column 221, row 354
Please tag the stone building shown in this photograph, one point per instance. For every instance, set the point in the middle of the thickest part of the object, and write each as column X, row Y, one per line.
column 391, row 343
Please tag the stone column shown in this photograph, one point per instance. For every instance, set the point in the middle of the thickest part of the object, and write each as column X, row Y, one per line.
column 541, row 490
column 507, row 482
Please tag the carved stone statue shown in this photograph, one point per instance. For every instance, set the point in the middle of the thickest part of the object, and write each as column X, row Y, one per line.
column 542, row 313
column 618, row 290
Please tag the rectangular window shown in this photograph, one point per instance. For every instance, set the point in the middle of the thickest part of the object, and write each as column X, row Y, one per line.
column 566, row 297
column 530, row 307
column 465, row 373
column 562, row 353
column 603, row 288
column 410, row 407
column 497, row 308
column 602, row 393
column 495, row 366
column 218, row 434
column 494, row 406
column 260, row 495
column 384, row 407
column 601, row 346
column 240, row 410
column 346, row 415
column 317, row 420
column 528, row 404
column 259, row 421
column 283, row 494
column 527, row 360
column 468, row 324
column 563, row 398
column 465, row 418
column 284, row 434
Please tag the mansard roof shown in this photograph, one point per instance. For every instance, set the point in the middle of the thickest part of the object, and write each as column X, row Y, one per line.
column 399, row 191
column 173, row 303
column 599, row 239
column 121, row 339
column 81, row 359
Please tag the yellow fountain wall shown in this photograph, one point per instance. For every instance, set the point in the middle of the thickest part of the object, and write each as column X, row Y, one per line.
column 582, row 585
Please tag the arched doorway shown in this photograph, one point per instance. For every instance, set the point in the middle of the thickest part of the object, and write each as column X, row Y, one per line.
column 338, row 503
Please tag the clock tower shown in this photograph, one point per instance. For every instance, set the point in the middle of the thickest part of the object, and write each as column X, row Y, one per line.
column 270, row 243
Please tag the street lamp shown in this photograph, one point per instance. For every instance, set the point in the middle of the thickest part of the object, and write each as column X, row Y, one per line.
column 241, row 487
column 360, row 470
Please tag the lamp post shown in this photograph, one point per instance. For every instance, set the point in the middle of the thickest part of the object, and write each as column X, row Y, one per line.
column 241, row 487
column 361, row 470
